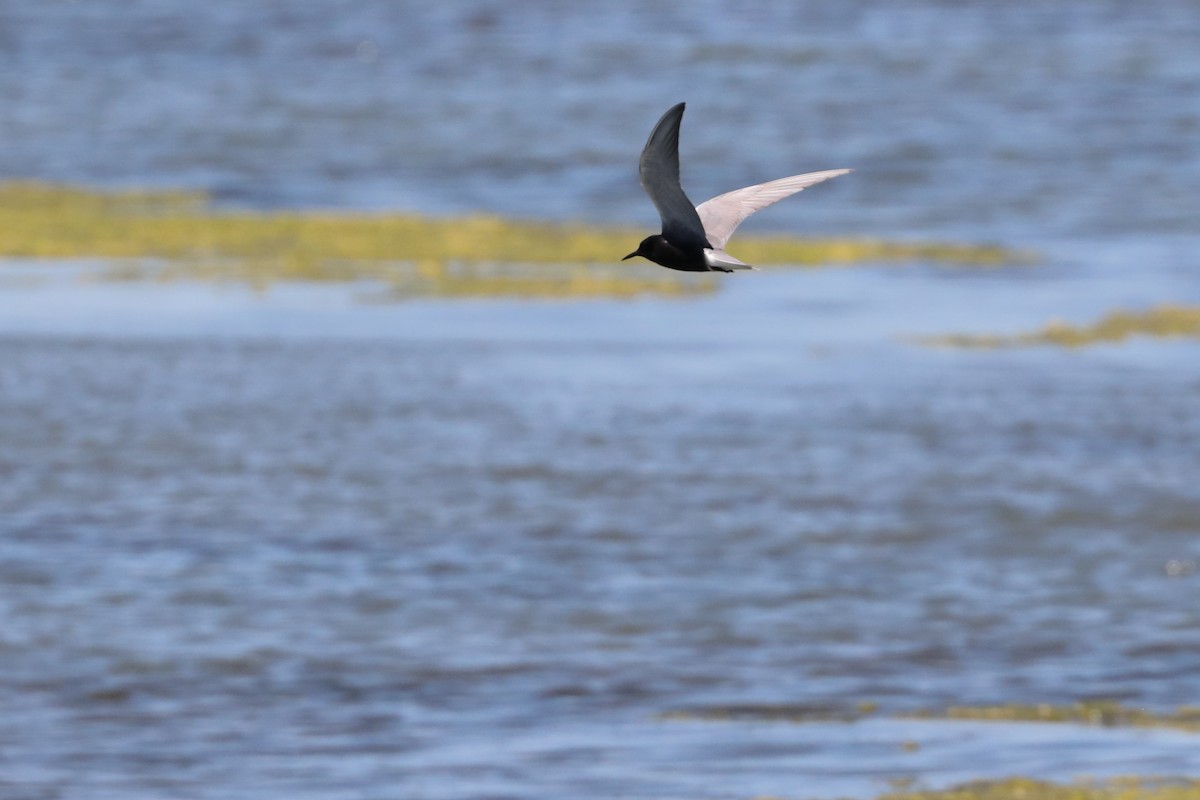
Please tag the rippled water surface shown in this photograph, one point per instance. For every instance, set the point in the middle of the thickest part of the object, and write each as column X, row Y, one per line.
column 967, row 118
column 291, row 544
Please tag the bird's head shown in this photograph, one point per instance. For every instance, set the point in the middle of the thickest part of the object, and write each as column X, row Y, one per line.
column 646, row 249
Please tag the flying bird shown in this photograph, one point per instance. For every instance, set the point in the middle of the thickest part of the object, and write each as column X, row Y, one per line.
column 693, row 238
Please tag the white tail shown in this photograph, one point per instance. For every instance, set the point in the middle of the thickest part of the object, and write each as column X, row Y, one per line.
column 722, row 261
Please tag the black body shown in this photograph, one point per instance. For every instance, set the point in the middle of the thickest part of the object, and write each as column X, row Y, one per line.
column 659, row 249
column 682, row 243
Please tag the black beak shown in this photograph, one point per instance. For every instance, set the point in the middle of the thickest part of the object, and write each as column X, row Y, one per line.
column 631, row 255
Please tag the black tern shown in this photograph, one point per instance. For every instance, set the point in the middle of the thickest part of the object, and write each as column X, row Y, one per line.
column 693, row 238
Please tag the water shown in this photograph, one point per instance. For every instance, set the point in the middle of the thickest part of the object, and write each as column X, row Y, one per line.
column 294, row 544
column 962, row 118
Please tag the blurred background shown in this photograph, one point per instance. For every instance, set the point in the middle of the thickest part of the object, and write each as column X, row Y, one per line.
column 288, row 543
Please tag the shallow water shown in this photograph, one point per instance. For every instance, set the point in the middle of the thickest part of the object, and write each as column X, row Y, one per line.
column 259, row 544
column 300, row 544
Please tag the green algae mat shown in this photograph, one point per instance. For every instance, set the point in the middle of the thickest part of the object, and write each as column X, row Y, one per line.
column 181, row 235
column 1131, row 788
column 1167, row 321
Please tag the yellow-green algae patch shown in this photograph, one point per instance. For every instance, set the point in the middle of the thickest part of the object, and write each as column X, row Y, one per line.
column 1163, row 321
column 1092, row 712
column 1124, row 788
column 170, row 234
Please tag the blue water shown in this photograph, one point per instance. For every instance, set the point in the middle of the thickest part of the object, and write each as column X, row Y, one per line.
column 298, row 543
column 967, row 119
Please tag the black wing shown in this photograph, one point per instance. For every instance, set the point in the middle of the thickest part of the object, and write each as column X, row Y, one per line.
column 659, row 171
